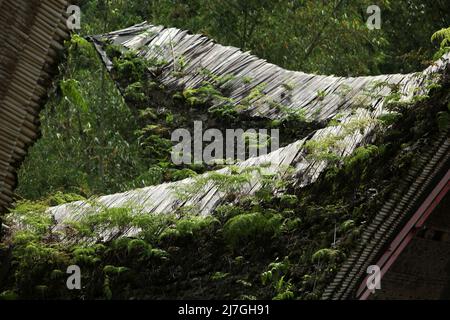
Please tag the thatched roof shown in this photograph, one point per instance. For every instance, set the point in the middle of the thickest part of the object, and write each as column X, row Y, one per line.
column 199, row 52
column 31, row 36
column 358, row 100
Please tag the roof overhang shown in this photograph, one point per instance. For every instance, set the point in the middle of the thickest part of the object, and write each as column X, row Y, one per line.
column 32, row 33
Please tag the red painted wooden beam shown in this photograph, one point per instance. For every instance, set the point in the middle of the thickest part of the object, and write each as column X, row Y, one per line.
column 407, row 233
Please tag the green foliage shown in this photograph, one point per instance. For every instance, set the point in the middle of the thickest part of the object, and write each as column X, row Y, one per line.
column 33, row 218
column 87, row 255
column 321, row 94
column 288, row 86
column 219, row 276
column 152, row 226
column 202, row 95
column 183, row 174
column 255, row 94
column 288, row 200
column 71, row 91
column 175, row 255
column 87, row 145
column 87, row 53
column 131, row 67
column 180, row 66
column 224, row 111
column 220, row 82
column 347, row 225
column 134, row 93
column 361, row 155
column 111, row 217
column 275, row 271
column 283, row 290
column 8, row 295
column 325, row 255
column 188, row 227
column 231, row 182
column 322, row 149
column 60, row 198
column 113, row 270
column 93, row 143
column 306, row 43
column 443, row 36
column 390, row 118
column 289, row 114
column 328, row 147
column 211, row 92
column 160, row 254
column 33, row 259
column 276, row 277
column 247, row 80
column 244, row 227
column 138, row 245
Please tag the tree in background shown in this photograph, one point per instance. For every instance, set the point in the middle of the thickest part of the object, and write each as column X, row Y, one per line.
column 89, row 144
column 328, row 36
column 408, row 27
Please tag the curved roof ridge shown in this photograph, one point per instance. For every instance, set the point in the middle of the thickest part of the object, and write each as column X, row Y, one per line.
column 320, row 96
column 353, row 113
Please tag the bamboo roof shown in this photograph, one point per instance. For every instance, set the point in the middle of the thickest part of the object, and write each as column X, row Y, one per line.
column 31, row 35
column 320, row 96
column 355, row 99
column 199, row 52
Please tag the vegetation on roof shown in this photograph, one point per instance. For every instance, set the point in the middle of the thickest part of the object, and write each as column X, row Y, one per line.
column 109, row 132
column 285, row 246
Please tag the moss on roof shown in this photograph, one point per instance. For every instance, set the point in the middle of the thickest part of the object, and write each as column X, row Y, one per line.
column 287, row 239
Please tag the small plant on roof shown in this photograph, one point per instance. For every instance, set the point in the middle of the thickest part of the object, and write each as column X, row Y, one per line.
column 202, row 95
column 222, row 82
column 102, row 218
column 325, row 255
column 321, row 94
column 344, row 90
column 276, row 277
column 289, row 86
column 179, row 68
column 329, row 146
column 247, row 80
column 225, row 111
column 443, row 36
column 255, row 94
column 231, row 182
column 188, row 226
column 251, row 226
